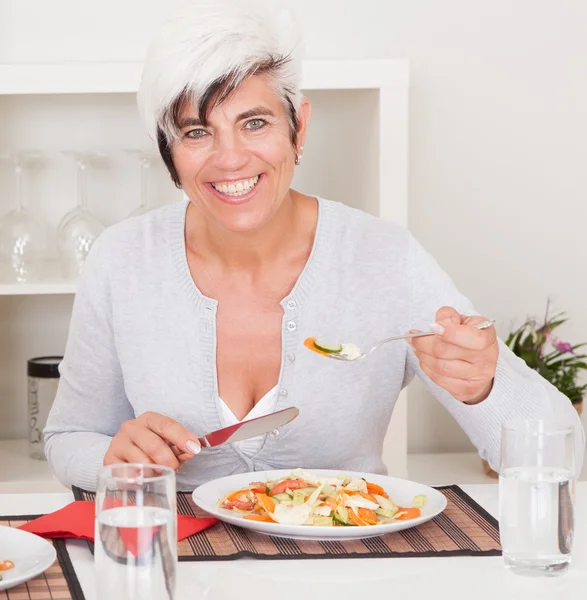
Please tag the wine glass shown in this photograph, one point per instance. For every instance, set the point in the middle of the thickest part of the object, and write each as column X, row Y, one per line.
column 23, row 238
column 79, row 228
column 146, row 159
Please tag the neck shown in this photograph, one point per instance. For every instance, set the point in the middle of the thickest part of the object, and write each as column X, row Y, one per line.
column 251, row 250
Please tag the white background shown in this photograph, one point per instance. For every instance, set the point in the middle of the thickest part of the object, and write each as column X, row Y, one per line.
column 498, row 134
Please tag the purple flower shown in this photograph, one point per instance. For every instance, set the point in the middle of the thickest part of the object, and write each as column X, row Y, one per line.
column 564, row 347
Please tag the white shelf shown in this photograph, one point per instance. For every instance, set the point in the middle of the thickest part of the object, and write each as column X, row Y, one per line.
column 50, row 281
column 21, row 474
column 120, row 77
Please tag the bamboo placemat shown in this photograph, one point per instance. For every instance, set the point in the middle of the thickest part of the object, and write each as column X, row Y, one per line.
column 58, row 582
column 463, row 529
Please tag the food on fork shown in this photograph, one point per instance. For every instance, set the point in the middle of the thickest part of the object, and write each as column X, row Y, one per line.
column 349, row 351
column 303, row 499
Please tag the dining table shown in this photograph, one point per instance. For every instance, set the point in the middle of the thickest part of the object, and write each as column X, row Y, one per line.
column 413, row 578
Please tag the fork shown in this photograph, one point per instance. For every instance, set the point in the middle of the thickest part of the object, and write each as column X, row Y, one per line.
column 343, row 357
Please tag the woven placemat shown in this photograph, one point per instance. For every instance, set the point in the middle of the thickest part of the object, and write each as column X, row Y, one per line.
column 463, row 529
column 59, row 581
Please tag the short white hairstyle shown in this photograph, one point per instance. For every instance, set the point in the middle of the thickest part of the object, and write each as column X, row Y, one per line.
column 207, row 49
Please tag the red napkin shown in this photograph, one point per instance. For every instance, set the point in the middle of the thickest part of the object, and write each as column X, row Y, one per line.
column 76, row 520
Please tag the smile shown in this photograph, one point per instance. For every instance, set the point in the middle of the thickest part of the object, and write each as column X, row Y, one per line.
column 236, row 188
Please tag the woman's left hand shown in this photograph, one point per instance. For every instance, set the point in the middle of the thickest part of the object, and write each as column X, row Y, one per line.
column 459, row 358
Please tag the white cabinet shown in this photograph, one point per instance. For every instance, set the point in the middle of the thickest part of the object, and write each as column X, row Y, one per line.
column 356, row 152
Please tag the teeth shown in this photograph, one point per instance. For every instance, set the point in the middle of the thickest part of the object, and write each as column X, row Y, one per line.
column 236, row 188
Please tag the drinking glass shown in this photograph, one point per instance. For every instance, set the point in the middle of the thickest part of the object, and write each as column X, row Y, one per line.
column 23, row 238
column 136, row 532
column 146, row 159
column 536, row 496
column 79, row 228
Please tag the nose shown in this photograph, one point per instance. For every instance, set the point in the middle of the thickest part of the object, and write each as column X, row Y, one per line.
column 230, row 153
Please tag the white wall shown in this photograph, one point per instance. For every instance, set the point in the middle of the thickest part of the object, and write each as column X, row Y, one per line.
column 498, row 184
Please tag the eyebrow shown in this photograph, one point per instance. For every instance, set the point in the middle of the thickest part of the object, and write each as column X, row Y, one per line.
column 248, row 114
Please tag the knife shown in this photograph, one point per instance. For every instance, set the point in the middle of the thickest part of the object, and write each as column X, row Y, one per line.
column 248, row 429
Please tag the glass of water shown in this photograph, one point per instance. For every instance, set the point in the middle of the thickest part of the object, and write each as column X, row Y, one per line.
column 536, row 496
column 136, row 533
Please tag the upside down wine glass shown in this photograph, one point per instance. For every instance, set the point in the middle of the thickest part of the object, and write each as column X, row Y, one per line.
column 146, row 159
column 79, row 228
column 22, row 237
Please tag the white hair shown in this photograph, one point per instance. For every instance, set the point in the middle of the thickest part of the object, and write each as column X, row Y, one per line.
column 211, row 46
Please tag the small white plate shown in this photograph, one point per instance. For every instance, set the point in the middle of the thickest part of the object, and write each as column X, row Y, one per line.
column 403, row 491
column 31, row 555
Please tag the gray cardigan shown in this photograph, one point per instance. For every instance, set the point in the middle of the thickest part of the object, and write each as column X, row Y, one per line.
column 142, row 338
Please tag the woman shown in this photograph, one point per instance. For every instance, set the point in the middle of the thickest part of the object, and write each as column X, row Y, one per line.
column 193, row 316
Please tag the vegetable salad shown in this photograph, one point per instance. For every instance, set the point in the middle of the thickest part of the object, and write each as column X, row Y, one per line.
column 303, row 499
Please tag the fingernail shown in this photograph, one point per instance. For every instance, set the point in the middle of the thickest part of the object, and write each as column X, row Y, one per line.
column 193, row 447
column 447, row 321
column 437, row 328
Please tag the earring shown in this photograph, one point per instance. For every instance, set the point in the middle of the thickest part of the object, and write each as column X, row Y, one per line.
column 299, row 156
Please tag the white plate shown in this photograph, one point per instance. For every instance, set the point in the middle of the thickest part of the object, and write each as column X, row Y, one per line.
column 403, row 491
column 31, row 555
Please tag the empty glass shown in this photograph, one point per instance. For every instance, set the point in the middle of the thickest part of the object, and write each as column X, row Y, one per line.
column 536, row 496
column 79, row 228
column 136, row 533
column 23, row 238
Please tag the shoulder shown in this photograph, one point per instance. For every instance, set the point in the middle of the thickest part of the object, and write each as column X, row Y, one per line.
column 150, row 229
column 137, row 244
column 357, row 229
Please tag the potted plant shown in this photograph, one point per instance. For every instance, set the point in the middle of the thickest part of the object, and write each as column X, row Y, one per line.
column 557, row 361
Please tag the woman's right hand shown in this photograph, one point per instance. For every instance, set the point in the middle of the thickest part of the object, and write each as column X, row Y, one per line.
column 152, row 439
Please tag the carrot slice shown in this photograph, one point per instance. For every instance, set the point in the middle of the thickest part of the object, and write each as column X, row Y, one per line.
column 241, row 495
column 363, row 495
column 373, row 488
column 368, row 516
column 261, row 518
column 354, row 519
column 5, row 565
column 267, row 503
column 310, row 344
column 410, row 513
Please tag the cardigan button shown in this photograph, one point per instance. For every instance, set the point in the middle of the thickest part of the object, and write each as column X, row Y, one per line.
column 291, row 326
column 291, row 304
column 274, row 433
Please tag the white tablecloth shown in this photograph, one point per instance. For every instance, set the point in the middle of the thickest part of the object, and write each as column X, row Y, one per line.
column 470, row 578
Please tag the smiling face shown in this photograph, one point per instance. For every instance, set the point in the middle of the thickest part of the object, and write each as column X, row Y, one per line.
column 237, row 169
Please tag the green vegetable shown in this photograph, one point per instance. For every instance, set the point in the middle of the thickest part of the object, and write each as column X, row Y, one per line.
column 282, row 497
column 419, row 501
column 341, row 515
column 299, row 497
column 330, row 348
column 386, row 504
column 338, row 520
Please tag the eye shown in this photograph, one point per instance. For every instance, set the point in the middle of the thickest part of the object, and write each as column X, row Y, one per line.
column 196, row 133
column 255, row 124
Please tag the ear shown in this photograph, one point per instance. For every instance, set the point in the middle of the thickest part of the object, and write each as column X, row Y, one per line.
column 304, row 114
